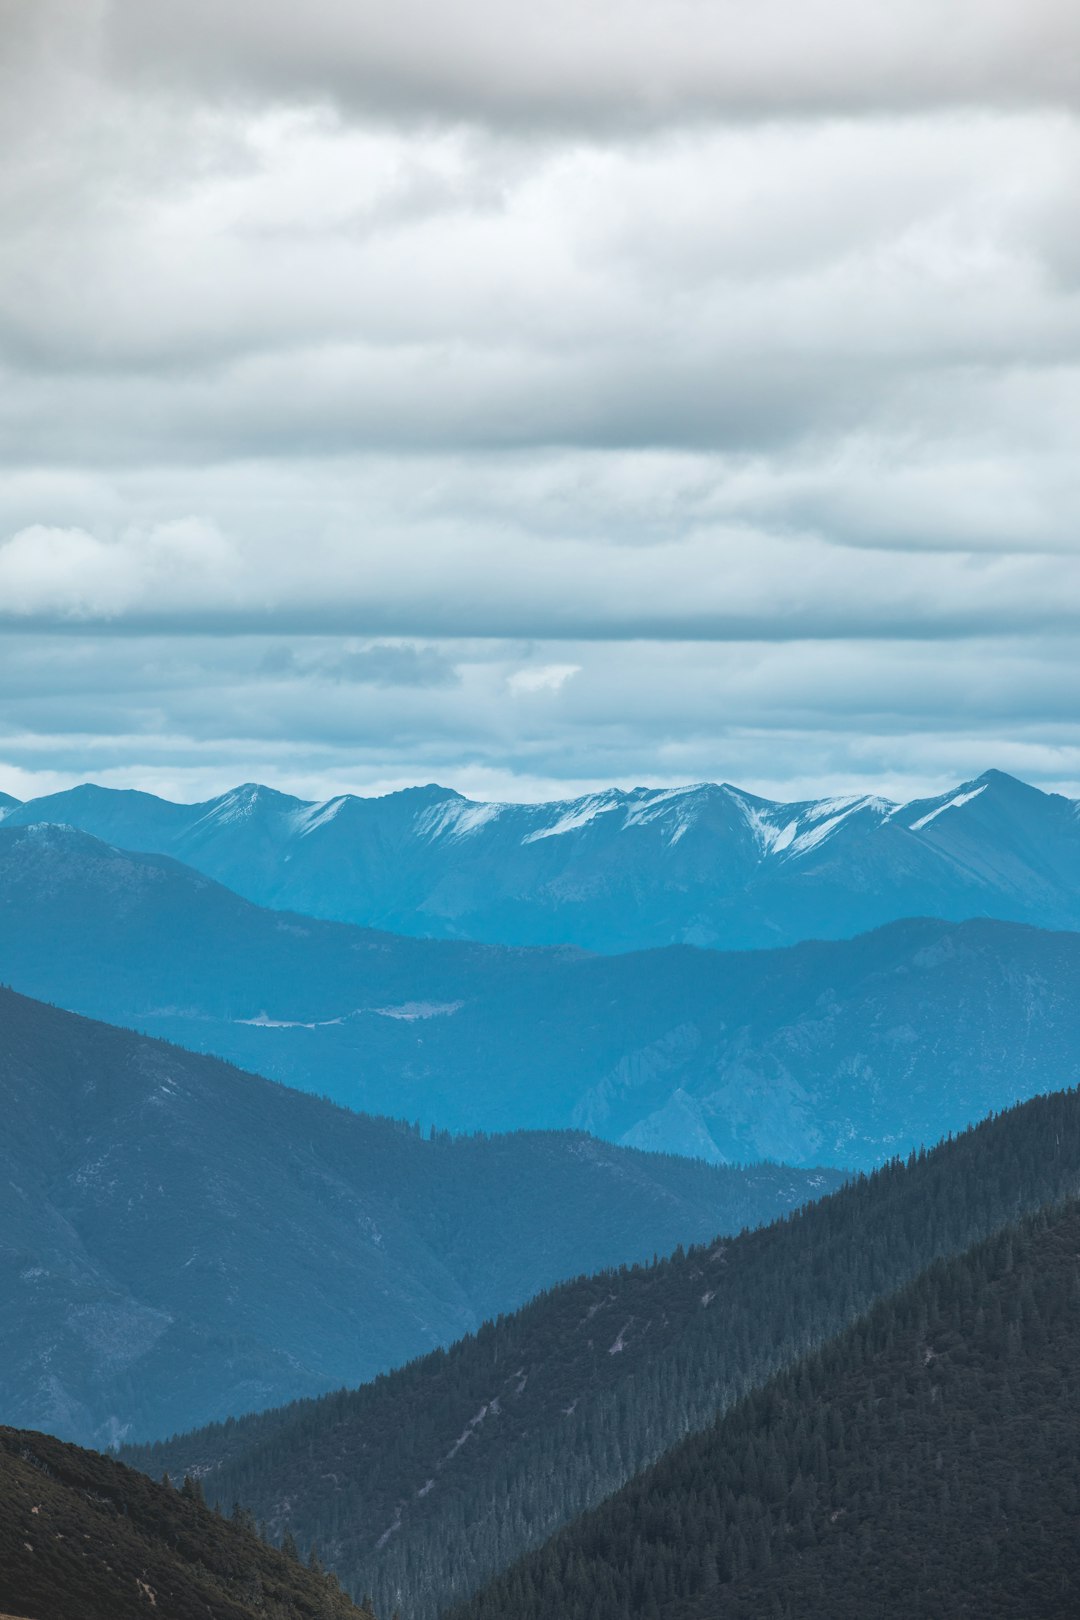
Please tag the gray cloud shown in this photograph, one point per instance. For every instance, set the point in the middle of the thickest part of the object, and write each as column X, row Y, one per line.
column 376, row 664
column 193, row 716
column 525, row 397
column 618, row 63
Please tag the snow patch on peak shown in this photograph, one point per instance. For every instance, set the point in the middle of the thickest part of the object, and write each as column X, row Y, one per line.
column 455, row 818
column 577, row 813
column 828, row 814
column 950, row 804
column 772, row 835
column 239, row 805
column 312, row 816
column 651, row 805
column 796, row 828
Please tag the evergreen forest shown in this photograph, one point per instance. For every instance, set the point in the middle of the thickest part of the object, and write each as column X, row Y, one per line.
column 422, row 1485
column 921, row 1464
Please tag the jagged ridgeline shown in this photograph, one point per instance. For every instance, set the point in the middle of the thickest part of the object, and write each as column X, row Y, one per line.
column 923, row 1463
column 423, row 1484
column 83, row 1538
column 613, row 871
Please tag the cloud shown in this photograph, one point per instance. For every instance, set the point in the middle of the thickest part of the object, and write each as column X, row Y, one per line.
column 61, row 573
column 371, row 664
column 616, row 63
column 191, row 717
column 520, row 396
column 543, row 678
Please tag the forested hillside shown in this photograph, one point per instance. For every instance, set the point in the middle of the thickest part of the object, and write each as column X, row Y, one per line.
column 837, row 1052
column 923, row 1463
column 421, row 1485
column 84, row 1538
column 180, row 1241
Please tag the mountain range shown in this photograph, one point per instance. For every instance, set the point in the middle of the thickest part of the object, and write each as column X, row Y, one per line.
column 707, row 865
column 839, row 1052
column 180, row 1241
column 423, row 1485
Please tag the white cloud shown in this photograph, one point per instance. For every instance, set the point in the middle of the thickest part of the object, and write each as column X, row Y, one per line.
column 542, row 678
column 60, row 573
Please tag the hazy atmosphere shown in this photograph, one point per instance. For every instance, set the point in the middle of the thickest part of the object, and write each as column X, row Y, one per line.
column 539, row 809
column 667, row 392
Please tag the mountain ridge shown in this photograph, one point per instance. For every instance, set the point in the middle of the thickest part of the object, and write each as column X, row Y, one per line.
column 841, row 1052
column 708, row 864
column 180, row 1240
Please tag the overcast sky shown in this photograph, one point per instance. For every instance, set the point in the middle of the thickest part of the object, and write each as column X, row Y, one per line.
column 529, row 398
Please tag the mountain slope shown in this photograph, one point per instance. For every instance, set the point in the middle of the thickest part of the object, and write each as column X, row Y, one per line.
column 839, row 1052
column 422, row 1485
column 84, row 1538
column 923, row 1463
column 707, row 865
column 181, row 1241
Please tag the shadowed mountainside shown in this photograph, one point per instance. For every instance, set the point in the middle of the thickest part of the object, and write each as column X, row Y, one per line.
column 181, row 1241
column 426, row 1483
column 922, row 1463
column 839, row 1052
column 84, row 1538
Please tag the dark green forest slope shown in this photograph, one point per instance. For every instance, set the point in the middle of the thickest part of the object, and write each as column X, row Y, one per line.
column 83, row 1538
column 424, row 1483
column 180, row 1241
column 926, row 1462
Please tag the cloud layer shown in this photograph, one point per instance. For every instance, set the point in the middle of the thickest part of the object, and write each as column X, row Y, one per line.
column 538, row 397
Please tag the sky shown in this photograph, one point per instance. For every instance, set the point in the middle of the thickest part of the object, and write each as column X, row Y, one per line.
column 534, row 398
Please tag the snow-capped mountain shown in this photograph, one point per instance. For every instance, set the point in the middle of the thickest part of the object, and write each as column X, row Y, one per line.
column 707, row 865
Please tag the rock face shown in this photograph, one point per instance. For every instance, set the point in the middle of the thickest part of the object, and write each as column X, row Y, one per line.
column 615, row 871
column 180, row 1241
column 839, row 1052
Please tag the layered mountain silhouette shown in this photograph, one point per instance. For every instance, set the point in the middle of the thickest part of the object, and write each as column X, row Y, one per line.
column 614, row 871
column 421, row 1486
column 840, row 1052
column 180, row 1241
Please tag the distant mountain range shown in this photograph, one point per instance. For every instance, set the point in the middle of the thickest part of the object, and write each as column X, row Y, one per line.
column 615, row 871
column 837, row 1052
column 421, row 1486
column 180, row 1241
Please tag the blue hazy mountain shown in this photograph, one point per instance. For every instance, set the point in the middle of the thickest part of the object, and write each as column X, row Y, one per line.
column 614, row 871
column 839, row 1052
column 181, row 1241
